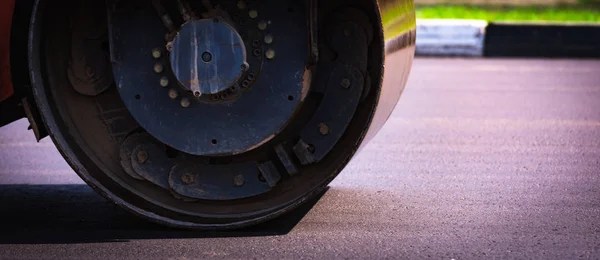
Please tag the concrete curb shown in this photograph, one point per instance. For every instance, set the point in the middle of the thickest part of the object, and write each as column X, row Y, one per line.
column 450, row 37
column 478, row 38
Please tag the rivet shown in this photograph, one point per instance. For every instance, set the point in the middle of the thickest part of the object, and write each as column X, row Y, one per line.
column 270, row 54
column 188, row 178
column 256, row 52
column 238, row 180
column 185, row 103
column 323, row 129
column 158, row 68
column 262, row 25
column 164, row 82
column 245, row 84
column 241, row 5
column 253, row 14
column 345, row 83
column 156, row 53
column 173, row 94
column 268, row 39
column 142, row 157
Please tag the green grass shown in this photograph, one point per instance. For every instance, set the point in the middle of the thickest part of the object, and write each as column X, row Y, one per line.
column 588, row 13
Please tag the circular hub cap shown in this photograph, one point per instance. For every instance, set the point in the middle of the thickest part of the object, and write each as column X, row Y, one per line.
column 208, row 56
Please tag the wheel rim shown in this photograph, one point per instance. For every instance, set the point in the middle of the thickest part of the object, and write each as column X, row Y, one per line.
column 106, row 175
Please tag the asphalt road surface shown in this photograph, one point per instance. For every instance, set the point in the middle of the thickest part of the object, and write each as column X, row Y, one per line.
column 482, row 159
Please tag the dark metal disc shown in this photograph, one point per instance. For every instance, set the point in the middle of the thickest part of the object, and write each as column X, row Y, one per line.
column 210, row 129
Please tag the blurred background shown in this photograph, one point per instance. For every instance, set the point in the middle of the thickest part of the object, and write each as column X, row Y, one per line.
column 511, row 10
column 493, row 152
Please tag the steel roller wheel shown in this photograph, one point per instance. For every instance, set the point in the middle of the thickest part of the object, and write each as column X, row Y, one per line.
column 203, row 114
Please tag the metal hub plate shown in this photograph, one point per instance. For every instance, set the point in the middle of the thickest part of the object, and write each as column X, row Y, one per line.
column 180, row 120
column 208, row 56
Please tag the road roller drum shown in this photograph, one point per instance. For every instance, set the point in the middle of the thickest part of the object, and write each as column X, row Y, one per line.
column 214, row 114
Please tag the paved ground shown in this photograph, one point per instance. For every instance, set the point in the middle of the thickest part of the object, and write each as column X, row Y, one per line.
column 482, row 158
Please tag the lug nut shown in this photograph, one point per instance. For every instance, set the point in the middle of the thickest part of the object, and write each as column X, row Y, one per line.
column 270, row 54
column 156, row 53
column 188, row 178
column 238, row 180
column 262, row 25
column 253, row 14
column 346, row 83
column 158, row 68
column 268, row 39
column 173, row 94
column 185, row 103
column 164, row 82
column 323, row 129
column 142, row 157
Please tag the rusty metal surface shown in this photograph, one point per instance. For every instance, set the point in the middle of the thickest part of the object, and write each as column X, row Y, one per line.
column 399, row 25
column 6, row 13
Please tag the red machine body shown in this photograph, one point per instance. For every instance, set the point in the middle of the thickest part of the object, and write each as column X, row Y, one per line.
column 6, row 14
